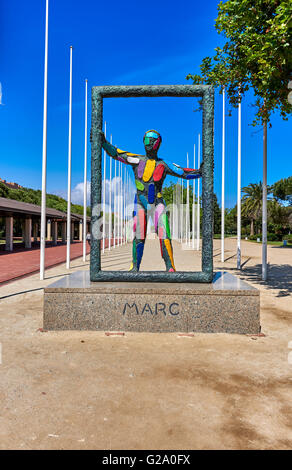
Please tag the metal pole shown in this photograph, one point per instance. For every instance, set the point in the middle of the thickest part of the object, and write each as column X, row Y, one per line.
column 124, row 205
column 69, row 168
column 115, row 204
column 188, row 207
column 182, row 211
column 198, row 202
column 44, row 162
column 85, row 179
column 265, row 215
column 223, row 181
column 119, row 202
column 193, row 208
column 110, row 202
column 239, row 188
column 104, row 177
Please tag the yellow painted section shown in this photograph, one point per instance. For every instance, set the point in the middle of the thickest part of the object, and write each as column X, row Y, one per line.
column 169, row 251
column 131, row 267
column 159, row 195
column 121, row 151
column 148, row 171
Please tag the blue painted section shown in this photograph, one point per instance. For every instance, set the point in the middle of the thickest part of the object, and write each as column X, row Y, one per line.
column 140, row 249
column 193, row 177
column 175, row 169
column 152, row 134
column 143, row 201
column 135, row 206
column 151, row 193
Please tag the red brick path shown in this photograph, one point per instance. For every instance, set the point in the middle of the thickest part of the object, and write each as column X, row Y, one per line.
column 26, row 261
column 22, row 262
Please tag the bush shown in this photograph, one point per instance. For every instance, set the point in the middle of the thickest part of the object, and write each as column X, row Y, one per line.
column 254, row 237
column 272, row 237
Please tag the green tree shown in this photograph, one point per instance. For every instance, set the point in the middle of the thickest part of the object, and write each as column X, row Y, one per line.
column 278, row 214
column 256, row 54
column 217, row 215
column 252, row 203
column 282, row 189
column 3, row 190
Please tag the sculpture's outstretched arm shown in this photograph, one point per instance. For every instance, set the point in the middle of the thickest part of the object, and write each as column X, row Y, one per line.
column 174, row 169
column 120, row 155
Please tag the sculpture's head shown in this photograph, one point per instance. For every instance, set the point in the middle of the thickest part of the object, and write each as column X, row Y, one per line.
column 152, row 140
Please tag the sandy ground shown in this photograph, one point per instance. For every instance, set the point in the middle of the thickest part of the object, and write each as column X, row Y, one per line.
column 84, row 390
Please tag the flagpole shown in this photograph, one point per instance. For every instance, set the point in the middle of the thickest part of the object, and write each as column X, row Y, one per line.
column 44, row 161
column 110, row 202
column 124, row 206
column 115, row 204
column 69, row 168
column 104, row 177
column 239, row 187
column 85, row 179
column 193, row 208
column 188, row 206
column 182, row 210
column 223, row 181
column 198, row 202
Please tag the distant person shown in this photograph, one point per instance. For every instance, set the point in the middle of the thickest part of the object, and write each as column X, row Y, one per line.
column 88, row 238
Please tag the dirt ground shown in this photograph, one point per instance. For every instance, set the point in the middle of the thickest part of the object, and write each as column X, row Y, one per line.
column 85, row 390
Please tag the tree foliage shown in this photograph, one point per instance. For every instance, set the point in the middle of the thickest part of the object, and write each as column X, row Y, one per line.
column 256, row 54
column 282, row 189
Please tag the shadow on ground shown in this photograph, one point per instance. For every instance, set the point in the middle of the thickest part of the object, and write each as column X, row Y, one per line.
column 279, row 277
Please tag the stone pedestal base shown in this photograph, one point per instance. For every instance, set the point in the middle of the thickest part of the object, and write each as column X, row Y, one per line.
column 227, row 305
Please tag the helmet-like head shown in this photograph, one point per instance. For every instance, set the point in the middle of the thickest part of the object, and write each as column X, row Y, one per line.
column 152, row 140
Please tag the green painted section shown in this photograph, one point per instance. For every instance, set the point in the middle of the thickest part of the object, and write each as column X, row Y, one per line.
column 139, row 185
column 166, row 224
column 134, row 252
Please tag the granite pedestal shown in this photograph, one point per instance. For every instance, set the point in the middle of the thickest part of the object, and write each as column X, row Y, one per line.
column 227, row 305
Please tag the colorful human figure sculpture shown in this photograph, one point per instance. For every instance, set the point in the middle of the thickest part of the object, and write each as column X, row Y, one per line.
column 150, row 172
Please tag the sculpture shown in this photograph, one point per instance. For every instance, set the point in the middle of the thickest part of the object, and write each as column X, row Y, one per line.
column 150, row 172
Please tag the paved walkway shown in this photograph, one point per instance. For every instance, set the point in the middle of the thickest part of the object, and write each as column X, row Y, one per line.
column 22, row 262
column 86, row 390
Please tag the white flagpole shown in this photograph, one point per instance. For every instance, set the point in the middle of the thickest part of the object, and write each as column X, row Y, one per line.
column 69, row 168
column 124, row 206
column 188, row 206
column 104, row 177
column 115, row 205
column 193, row 208
column 120, row 201
column 110, row 202
column 182, row 210
column 239, row 189
column 223, row 181
column 44, row 162
column 85, row 179
column 118, row 205
column 198, row 202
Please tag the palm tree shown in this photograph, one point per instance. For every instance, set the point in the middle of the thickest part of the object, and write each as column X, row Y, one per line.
column 252, row 202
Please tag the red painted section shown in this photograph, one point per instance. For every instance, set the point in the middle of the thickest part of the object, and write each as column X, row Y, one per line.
column 189, row 169
column 158, row 172
column 142, row 223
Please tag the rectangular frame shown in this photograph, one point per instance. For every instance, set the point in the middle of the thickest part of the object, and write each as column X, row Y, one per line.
column 99, row 93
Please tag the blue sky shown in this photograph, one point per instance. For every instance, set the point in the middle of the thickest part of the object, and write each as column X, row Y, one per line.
column 129, row 43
